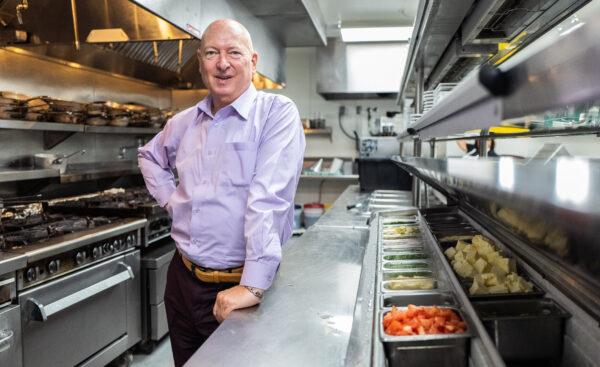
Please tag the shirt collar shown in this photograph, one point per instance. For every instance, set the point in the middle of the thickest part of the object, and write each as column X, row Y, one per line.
column 242, row 104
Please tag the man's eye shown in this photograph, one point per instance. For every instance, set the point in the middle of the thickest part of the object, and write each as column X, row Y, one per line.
column 235, row 54
column 210, row 54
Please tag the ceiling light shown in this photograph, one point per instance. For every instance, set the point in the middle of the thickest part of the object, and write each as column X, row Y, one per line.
column 376, row 34
column 107, row 35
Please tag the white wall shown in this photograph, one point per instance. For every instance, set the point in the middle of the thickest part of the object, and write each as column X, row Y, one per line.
column 301, row 87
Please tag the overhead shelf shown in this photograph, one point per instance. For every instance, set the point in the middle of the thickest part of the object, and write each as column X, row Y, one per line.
column 330, row 177
column 94, row 171
column 326, row 132
column 75, row 128
column 450, row 39
column 560, row 187
column 11, row 174
column 563, row 73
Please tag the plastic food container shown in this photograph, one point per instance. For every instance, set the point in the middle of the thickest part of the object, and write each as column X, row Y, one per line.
column 312, row 213
column 297, row 216
column 440, row 350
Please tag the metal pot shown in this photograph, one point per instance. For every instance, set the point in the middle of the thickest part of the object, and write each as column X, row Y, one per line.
column 48, row 160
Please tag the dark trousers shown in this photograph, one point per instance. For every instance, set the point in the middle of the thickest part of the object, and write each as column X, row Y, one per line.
column 189, row 303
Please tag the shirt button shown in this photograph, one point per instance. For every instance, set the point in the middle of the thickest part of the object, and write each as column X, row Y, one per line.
column 210, row 152
column 204, row 182
column 196, row 211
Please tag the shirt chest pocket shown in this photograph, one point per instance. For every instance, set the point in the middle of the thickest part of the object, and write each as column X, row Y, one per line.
column 238, row 161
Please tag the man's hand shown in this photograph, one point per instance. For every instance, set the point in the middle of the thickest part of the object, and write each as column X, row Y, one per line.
column 233, row 299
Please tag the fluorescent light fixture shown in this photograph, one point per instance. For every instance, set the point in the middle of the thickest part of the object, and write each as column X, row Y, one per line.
column 376, row 34
column 107, row 35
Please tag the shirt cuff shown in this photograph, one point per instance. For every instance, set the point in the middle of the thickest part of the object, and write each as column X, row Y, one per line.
column 258, row 274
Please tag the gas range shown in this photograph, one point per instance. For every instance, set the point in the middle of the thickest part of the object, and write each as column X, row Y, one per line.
column 56, row 244
column 134, row 202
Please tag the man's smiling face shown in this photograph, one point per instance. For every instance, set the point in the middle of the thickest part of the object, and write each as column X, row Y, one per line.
column 227, row 61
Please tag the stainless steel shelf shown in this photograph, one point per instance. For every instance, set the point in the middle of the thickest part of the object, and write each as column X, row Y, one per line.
column 563, row 73
column 39, row 126
column 331, row 177
column 121, row 130
column 86, row 171
column 319, row 132
column 10, row 175
column 560, row 188
column 53, row 126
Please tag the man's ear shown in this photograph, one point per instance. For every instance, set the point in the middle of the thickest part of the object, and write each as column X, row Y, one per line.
column 254, row 61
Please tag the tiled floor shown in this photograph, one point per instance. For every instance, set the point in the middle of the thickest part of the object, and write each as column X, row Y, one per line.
column 160, row 357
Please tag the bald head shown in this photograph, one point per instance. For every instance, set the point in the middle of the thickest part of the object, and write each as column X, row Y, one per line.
column 227, row 61
column 229, row 27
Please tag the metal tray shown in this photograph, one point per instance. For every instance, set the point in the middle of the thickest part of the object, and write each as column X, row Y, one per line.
column 424, row 298
column 400, row 248
column 390, row 275
column 409, row 241
column 440, row 350
column 537, row 324
column 409, row 285
column 406, row 265
column 467, row 283
column 406, row 255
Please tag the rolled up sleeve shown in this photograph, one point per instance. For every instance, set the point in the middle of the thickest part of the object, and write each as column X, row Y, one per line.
column 271, row 194
column 156, row 161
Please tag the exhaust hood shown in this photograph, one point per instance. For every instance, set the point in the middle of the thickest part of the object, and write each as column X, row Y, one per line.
column 360, row 70
column 153, row 41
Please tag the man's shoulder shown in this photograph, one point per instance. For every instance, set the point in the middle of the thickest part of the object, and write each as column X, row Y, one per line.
column 186, row 115
column 274, row 99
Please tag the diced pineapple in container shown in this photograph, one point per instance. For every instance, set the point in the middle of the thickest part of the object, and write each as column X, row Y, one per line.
column 450, row 252
column 464, row 269
column 480, row 265
column 460, row 245
column 478, row 288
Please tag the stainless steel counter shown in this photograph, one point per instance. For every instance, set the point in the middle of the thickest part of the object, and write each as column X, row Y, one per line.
column 14, row 174
column 340, row 216
column 306, row 317
column 93, row 171
column 10, row 262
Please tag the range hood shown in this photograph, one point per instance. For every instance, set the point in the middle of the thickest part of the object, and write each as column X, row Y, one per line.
column 360, row 70
column 154, row 41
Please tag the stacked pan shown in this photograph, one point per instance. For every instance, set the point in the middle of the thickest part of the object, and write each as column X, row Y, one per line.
column 49, row 109
column 12, row 105
column 508, row 301
column 420, row 323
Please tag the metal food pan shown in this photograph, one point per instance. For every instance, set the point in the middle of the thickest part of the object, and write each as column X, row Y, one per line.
column 537, row 324
column 391, row 275
column 398, row 248
column 400, row 220
column 424, row 298
column 410, row 241
column 439, row 350
column 406, row 255
column 450, row 226
column 454, row 237
column 409, row 284
column 466, row 283
column 406, row 265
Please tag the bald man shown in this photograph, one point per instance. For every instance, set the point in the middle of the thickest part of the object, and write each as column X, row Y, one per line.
column 238, row 155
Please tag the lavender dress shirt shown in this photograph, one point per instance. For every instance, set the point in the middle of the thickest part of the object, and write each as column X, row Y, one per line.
column 238, row 172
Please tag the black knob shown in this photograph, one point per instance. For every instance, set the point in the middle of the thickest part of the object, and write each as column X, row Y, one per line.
column 96, row 252
column 130, row 240
column 80, row 258
column 116, row 245
column 53, row 266
column 31, row 274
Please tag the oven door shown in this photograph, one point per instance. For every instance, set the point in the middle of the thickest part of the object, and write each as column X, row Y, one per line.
column 68, row 320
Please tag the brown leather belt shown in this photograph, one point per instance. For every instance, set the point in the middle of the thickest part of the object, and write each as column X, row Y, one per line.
column 211, row 275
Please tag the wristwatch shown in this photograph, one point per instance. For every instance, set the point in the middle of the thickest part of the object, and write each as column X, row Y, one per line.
column 258, row 293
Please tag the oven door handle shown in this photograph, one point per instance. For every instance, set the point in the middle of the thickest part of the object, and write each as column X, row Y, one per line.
column 6, row 336
column 41, row 312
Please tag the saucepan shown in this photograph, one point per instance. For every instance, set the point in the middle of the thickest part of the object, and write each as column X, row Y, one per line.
column 48, row 160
